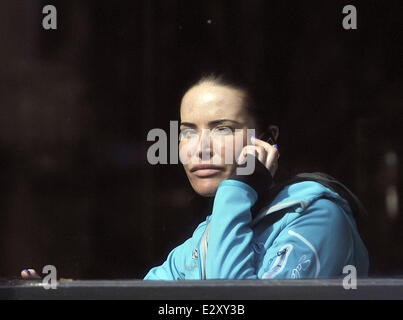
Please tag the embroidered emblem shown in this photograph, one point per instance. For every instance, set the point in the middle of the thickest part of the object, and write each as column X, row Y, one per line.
column 303, row 264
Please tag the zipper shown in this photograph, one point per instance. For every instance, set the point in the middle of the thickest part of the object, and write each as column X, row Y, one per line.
column 199, row 258
column 203, row 251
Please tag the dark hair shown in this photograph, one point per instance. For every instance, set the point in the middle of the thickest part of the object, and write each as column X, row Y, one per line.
column 252, row 99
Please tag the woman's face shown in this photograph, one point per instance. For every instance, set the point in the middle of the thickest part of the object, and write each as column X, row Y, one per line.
column 212, row 134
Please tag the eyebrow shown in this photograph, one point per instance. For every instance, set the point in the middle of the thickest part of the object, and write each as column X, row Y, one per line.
column 211, row 123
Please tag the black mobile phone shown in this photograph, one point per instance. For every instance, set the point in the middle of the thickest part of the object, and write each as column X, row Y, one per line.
column 268, row 137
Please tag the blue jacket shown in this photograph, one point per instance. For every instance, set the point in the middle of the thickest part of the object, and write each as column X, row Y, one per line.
column 316, row 238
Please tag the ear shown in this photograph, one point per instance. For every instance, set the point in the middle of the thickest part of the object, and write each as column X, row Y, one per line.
column 275, row 131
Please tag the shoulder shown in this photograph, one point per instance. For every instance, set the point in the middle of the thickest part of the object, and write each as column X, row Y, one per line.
column 306, row 193
column 318, row 204
column 308, row 201
column 308, row 190
column 325, row 214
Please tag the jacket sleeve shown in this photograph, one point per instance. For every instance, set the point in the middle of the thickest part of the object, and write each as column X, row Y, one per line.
column 229, row 254
column 171, row 269
column 174, row 266
column 315, row 243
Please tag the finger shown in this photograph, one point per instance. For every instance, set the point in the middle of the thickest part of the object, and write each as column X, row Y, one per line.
column 269, row 147
column 261, row 154
column 264, row 144
column 257, row 142
column 257, row 151
column 272, row 157
column 28, row 273
column 272, row 161
column 244, row 152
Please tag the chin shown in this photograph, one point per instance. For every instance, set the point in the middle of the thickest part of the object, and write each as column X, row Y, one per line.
column 206, row 188
column 207, row 194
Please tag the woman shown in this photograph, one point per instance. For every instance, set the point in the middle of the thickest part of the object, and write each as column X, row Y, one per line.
column 317, row 237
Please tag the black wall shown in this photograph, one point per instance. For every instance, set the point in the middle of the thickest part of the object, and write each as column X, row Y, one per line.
column 76, row 105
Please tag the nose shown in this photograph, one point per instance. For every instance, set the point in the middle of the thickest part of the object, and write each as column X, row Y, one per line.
column 204, row 147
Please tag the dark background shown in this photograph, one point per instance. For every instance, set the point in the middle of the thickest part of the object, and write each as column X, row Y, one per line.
column 76, row 104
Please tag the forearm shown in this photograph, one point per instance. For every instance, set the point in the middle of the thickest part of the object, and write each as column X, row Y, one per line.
column 230, row 254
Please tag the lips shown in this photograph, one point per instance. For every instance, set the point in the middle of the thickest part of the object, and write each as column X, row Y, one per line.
column 205, row 170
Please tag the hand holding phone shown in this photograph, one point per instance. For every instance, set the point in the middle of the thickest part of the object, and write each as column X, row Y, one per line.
column 265, row 152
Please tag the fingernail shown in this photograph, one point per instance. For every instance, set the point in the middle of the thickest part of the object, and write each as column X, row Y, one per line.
column 253, row 137
column 275, row 146
column 27, row 271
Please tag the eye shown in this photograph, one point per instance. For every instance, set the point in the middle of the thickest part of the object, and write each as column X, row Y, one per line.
column 187, row 134
column 222, row 130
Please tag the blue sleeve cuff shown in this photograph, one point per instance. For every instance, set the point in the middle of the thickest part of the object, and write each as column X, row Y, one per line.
column 239, row 184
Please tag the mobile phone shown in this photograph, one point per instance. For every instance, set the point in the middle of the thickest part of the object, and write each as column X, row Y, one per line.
column 268, row 137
